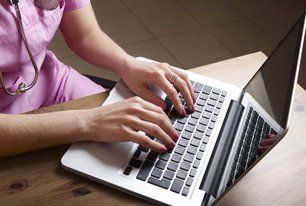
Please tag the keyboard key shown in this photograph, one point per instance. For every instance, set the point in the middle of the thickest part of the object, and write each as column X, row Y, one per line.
column 156, row 173
column 201, row 128
column 198, row 87
column 164, row 183
column 164, row 156
column 178, row 126
column 214, row 96
column 161, row 164
column 169, row 174
column 189, row 157
column 219, row 105
column 196, row 164
column 181, row 174
column 183, row 142
column 205, row 140
column 193, row 121
column 203, row 147
column 196, row 115
column 209, row 109
column 144, row 170
column 137, row 153
column 216, row 91
column 185, row 191
column 204, row 97
column 176, row 158
column 177, row 185
column 211, row 102
column 195, row 142
column 128, row 170
column 199, row 155
column 223, row 94
column 221, row 99
column 189, row 181
column 204, row 121
column 208, row 132
column 185, row 165
column 201, row 102
column 172, row 166
column 179, row 150
column 198, row 135
column 192, row 149
column 206, row 115
column 192, row 172
column 207, row 89
column 189, row 128
column 182, row 120
column 198, row 108
column 214, row 118
column 192, row 82
column 135, row 163
column 186, row 135
column 217, row 112
column 211, row 125
column 152, row 156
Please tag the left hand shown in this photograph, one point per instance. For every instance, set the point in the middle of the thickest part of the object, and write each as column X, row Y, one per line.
column 140, row 76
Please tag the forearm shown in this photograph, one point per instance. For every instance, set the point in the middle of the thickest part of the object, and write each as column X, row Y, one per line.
column 22, row 133
column 100, row 50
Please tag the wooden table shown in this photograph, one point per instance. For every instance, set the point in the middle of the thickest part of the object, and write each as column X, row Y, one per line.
column 37, row 178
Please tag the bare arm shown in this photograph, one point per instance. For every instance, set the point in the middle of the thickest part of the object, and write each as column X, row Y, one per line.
column 84, row 36
column 26, row 132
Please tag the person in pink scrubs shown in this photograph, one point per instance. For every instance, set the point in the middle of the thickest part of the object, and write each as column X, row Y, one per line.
column 58, row 82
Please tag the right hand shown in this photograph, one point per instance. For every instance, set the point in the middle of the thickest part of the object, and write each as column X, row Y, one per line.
column 121, row 122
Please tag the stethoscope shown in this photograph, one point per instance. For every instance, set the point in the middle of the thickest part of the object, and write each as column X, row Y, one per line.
column 45, row 5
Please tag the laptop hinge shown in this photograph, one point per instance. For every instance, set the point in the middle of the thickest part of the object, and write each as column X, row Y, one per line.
column 213, row 175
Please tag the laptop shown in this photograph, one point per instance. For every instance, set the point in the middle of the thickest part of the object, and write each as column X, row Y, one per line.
column 218, row 143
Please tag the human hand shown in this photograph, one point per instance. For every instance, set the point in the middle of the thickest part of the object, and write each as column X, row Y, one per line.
column 122, row 121
column 139, row 76
column 267, row 142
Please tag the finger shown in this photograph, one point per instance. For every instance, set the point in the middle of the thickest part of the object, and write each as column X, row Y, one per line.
column 262, row 149
column 149, row 96
column 168, row 88
column 185, row 77
column 266, row 142
column 145, row 141
column 182, row 86
column 161, row 120
column 154, row 130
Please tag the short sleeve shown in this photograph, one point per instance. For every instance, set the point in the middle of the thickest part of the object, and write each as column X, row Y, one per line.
column 75, row 4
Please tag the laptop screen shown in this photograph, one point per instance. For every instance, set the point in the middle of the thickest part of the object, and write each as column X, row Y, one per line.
column 273, row 84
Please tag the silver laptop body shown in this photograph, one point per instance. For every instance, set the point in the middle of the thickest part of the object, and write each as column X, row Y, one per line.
column 217, row 168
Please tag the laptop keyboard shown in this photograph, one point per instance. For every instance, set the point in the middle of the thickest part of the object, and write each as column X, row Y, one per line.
column 255, row 129
column 176, row 169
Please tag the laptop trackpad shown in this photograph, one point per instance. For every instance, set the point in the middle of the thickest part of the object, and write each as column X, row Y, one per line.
column 93, row 157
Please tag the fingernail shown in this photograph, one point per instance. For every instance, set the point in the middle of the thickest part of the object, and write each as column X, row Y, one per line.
column 163, row 149
column 193, row 108
column 184, row 113
column 172, row 145
column 162, row 105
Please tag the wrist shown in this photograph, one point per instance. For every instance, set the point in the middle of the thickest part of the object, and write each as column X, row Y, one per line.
column 124, row 65
column 83, row 125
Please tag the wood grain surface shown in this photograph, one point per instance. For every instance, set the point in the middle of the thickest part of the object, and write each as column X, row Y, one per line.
column 36, row 178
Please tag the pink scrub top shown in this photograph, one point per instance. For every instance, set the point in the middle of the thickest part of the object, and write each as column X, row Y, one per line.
column 56, row 82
